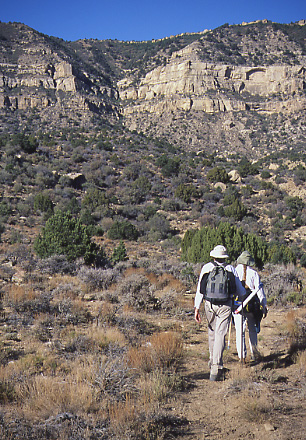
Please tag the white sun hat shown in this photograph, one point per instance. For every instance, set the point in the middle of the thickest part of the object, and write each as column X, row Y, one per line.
column 219, row 252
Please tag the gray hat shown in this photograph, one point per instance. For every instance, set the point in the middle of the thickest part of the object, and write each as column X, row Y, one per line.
column 219, row 252
column 246, row 258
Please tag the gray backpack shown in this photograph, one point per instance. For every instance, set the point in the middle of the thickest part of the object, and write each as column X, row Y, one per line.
column 217, row 286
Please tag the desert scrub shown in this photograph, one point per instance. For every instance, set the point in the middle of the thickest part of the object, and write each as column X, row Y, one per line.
column 56, row 264
column 26, row 299
column 256, row 408
column 296, row 333
column 280, row 282
column 302, row 362
column 161, row 350
column 66, row 286
column 92, row 339
column 7, row 392
column 44, row 396
column 157, row 385
column 136, row 291
column 98, row 279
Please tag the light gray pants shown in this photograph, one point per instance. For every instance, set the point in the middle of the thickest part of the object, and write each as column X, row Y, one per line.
column 248, row 318
column 218, row 317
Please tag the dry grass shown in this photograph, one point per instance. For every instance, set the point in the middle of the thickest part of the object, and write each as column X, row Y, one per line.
column 291, row 324
column 105, row 313
column 122, row 416
column 301, row 361
column 43, row 396
column 161, row 350
column 102, row 337
column 156, row 386
column 18, row 294
column 167, row 348
column 256, row 407
column 296, row 332
column 250, row 397
column 69, row 283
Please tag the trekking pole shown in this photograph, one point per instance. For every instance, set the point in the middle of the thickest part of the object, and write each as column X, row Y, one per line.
column 241, row 344
column 229, row 333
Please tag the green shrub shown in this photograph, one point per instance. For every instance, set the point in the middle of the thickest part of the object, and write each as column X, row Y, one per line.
column 236, row 210
column 169, row 166
column 65, row 235
column 303, row 260
column 123, row 230
column 218, row 174
column 246, row 168
column 28, row 144
column 295, row 205
column 43, row 203
column 119, row 253
column 94, row 198
column 159, row 227
column 5, row 209
column 265, row 174
column 186, row 192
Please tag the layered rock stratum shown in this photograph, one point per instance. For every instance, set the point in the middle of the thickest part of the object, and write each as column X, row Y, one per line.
column 235, row 88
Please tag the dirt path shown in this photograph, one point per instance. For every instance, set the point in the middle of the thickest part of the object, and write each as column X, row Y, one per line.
column 261, row 402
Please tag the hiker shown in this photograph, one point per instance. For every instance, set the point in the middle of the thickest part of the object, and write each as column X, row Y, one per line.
column 218, row 304
column 253, row 311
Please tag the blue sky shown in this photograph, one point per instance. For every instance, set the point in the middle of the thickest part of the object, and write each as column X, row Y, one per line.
column 143, row 20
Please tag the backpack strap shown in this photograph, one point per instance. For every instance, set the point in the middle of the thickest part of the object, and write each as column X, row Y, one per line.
column 243, row 281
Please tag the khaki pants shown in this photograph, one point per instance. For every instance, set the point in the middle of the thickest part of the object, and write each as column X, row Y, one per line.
column 218, row 317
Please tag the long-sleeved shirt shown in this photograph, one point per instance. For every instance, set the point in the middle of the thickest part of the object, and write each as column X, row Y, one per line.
column 252, row 280
column 240, row 290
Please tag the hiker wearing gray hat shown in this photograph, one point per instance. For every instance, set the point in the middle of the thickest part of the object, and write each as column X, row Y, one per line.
column 218, row 283
column 254, row 310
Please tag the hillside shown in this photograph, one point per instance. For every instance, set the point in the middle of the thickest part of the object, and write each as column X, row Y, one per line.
column 121, row 164
column 214, row 89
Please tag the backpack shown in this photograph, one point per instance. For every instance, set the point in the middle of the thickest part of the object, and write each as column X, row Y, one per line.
column 217, row 286
column 254, row 305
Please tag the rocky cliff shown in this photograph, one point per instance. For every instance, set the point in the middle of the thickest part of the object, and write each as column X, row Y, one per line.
column 187, row 83
column 39, row 73
column 194, row 89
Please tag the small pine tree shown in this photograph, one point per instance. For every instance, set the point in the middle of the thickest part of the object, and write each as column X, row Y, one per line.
column 65, row 235
column 119, row 253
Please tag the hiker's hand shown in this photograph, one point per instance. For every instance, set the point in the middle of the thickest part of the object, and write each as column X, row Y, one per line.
column 197, row 315
column 265, row 312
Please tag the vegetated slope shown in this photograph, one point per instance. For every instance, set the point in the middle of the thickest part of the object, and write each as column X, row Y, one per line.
column 242, row 107
column 80, row 343
column 160, row 172
column 237, row 88
column 43, row 82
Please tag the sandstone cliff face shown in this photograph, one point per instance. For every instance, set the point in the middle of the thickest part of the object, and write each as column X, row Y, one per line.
column 232, row 88
column 187, row 83
column 38, row 76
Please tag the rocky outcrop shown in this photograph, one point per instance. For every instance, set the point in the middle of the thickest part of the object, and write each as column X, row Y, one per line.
column 27, row 86
column 262, row 70
column 37, row 72
column 187, row 83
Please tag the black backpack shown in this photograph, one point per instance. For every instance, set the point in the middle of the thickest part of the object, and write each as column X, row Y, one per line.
column 215, row 286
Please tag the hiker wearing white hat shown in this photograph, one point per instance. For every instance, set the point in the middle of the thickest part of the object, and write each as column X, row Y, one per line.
column 218, row 283
column 253, row 312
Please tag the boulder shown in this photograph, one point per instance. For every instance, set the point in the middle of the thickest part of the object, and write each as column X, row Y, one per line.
column 234, row 176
